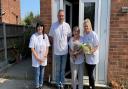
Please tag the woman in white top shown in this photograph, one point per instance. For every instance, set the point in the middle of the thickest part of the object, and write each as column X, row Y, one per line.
column 76, row 59
column 39, row 44
column 90, row 37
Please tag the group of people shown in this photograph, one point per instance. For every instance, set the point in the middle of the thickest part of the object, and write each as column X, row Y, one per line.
column 63, row 37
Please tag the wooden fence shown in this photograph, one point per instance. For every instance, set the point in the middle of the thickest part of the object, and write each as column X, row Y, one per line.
column 14, row 41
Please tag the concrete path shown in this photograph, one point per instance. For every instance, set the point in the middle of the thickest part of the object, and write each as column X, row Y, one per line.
column 22, row 70
column 18, row 76
column 14, row 84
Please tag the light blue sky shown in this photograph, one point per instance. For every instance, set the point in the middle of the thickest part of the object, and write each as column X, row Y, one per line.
column 29, row 5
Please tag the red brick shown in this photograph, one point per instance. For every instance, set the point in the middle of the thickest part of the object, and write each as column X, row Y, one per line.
column 11, row 9
column 45, row 14
column 118, row 51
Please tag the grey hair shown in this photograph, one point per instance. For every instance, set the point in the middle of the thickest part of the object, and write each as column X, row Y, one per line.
column 61, row 10
column 76, row 28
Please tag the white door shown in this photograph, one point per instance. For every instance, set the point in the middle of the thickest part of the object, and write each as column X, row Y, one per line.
column 95, row 10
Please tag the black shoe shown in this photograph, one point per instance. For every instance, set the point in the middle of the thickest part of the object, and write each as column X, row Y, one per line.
column 37, row 88
column 62, row 87
column 41, row 88
column 92, row 87
column 58, row 87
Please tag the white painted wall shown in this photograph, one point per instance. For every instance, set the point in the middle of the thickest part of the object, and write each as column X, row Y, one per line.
column 104, row 41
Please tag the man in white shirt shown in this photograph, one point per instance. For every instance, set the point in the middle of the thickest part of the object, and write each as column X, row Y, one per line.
column 60, row 31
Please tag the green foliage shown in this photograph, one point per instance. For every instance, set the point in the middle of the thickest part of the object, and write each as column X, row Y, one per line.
column 30, row 19
column 26, row 37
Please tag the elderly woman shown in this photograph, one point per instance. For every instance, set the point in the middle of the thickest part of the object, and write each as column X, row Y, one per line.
column 39, row 44
column 90, row 37
column 76, row 59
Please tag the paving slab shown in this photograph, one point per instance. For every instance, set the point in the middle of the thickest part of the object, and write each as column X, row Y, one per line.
column 22, row 70
column 18, row 84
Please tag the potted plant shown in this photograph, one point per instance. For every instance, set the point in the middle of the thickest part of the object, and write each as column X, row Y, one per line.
column 16, row 51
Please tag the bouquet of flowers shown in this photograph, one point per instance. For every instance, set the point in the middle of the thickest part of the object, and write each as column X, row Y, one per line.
column 86, row 48
column 76, row 49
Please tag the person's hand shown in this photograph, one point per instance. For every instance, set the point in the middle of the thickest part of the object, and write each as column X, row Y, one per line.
column 45, row 56
column 41, row 61
column 37, row 58
column 93, row 50
column 71, row 54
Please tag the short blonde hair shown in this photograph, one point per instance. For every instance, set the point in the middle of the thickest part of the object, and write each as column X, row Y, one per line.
column 87, row 20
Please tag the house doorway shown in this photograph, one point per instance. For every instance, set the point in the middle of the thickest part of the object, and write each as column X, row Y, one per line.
column 72, row 16
column 71, row 8
column 75, row 13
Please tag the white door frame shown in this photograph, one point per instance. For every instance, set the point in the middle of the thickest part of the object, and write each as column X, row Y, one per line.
column 69, row 4
column 104, row 37
column 97, row 14
column 97, row 19
column 100, row 30
column 55, row 6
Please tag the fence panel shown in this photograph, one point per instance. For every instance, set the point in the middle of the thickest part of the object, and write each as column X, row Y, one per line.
column 16, row 42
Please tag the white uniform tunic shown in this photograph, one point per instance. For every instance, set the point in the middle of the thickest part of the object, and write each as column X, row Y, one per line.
column 39, row 44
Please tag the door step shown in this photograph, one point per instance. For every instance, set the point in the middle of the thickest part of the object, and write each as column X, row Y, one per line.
column 98, row 86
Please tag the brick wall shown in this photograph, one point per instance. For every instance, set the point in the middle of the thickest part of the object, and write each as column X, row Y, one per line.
column 45, row 14
column 0, row 16
column 118, row 50
column 12, row 11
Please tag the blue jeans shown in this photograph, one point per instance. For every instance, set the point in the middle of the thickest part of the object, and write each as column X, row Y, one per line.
column 60, row 62
column 38, row 76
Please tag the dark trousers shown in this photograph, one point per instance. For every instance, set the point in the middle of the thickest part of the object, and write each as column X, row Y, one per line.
column 90, row 69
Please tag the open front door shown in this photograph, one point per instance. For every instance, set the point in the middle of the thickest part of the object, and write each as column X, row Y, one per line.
column 89, row 9
column 98, row 12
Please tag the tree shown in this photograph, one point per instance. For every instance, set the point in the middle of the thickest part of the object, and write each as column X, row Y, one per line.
column 30, row 19
column 35, row 20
